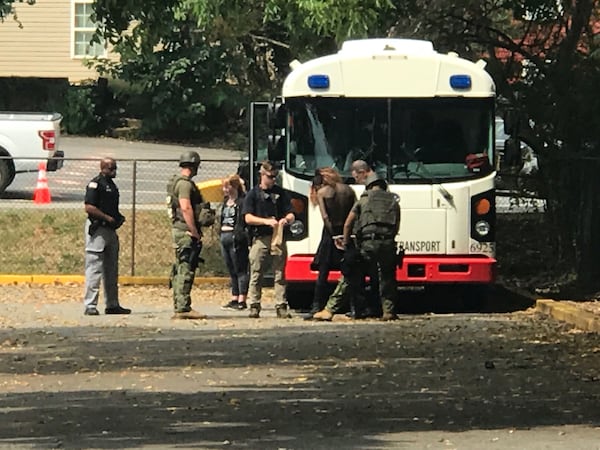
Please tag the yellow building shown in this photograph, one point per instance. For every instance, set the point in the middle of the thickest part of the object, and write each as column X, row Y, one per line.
column 50, row 39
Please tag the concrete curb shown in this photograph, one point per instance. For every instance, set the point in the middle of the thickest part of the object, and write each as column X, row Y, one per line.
column 79, row 279
column 569, row 313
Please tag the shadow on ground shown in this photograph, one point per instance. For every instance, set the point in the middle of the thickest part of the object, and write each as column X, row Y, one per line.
column 301, row 386
column 460, row 299
column 446, row 299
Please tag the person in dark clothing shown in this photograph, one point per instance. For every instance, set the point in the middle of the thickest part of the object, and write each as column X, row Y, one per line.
column 376, row 220
column 335, row 200
column 101, row 240
column 234, row 241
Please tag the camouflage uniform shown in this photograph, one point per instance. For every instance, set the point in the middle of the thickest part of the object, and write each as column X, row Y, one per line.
column 374, row 256
column 376, row 243
column 187, row 249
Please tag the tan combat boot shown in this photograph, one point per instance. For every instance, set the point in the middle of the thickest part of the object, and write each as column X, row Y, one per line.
column 282, row 311
column 387, row 316
column 324, row 314
column 191, row 315
column 254, row 311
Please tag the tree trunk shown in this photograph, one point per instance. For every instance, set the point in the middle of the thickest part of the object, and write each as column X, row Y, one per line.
column 574, row 213
column 588, row 230
column 559, row 180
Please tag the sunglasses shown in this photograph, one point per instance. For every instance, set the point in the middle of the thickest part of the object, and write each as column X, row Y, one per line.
column 112, row 167
column 269, row 176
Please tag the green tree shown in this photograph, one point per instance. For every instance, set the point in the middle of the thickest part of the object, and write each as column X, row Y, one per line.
column 194, row 75
column 198, row 62
column 7, row 8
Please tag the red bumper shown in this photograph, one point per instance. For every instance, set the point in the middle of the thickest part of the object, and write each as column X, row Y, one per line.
column 422, row 269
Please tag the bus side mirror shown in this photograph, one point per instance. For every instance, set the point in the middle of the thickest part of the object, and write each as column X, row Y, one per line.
column 512, row 152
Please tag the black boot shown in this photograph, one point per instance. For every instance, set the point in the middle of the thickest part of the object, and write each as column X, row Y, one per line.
column 315, row 308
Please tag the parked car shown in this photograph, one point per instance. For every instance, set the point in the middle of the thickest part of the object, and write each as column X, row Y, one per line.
column 26, row 139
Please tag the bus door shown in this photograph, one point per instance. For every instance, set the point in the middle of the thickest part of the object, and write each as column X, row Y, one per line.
column 267, row 137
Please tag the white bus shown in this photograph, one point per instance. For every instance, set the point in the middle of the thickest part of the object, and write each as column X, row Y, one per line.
column 423, row 120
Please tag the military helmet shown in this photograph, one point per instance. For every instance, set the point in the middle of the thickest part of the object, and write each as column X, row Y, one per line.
column 372, row 178
column 189, row 159
column 375, row 180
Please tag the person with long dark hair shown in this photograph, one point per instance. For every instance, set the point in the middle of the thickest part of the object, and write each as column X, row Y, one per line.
column 335, row 200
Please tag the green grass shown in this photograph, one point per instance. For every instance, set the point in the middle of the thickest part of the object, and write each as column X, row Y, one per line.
column 52, row 242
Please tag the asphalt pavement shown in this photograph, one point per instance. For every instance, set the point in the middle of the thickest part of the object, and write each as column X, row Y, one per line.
column 510, row 381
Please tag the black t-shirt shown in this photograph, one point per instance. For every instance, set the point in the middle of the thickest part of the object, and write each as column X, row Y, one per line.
column 231, row 216
column 102, row 192
column 274, row 202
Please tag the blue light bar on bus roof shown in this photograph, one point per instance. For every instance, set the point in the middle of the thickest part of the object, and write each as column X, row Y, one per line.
column 460, row 81
column 318, row 81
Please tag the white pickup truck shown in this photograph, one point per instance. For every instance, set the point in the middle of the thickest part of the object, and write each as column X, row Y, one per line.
column 26, row 139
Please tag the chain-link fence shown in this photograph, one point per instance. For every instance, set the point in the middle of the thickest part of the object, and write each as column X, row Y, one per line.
column 48, row 238
column 520, row 192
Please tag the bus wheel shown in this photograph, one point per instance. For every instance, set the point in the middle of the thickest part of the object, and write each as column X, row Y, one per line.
column 299, row 295
column 6, row 173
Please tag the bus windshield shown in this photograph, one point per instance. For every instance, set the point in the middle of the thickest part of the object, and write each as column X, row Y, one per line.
column 416, row 140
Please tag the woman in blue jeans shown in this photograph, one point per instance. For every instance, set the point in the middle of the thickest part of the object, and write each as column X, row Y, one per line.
column 234, row 240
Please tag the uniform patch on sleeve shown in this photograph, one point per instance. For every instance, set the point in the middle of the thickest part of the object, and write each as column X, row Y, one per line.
column 93, row 185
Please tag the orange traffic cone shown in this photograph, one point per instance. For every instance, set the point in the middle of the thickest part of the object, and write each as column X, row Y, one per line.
column 42, row 191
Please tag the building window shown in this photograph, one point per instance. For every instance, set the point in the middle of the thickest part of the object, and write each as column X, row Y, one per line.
column 83, row 30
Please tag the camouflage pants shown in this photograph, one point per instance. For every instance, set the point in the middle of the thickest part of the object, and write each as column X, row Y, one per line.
column 184, row 271
column 339, row 300
column 379, row 259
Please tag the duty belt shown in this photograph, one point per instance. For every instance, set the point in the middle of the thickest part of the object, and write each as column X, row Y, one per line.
column 261, row 236
column 376, row 237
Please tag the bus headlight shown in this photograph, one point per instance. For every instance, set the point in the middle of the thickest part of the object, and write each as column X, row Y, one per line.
column 296, row 228
column 482, row 228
